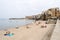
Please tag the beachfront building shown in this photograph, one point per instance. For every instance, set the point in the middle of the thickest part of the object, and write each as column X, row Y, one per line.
column 52, row 13
column 55, row 12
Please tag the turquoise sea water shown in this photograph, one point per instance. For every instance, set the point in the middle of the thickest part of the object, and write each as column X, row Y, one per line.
column 6, row 23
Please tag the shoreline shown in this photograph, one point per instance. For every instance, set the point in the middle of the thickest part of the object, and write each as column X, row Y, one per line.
column 33, row 31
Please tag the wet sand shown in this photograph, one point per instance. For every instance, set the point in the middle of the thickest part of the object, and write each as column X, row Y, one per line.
column 33, row 31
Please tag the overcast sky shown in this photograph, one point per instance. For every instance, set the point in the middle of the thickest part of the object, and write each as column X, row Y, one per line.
column 22, row 8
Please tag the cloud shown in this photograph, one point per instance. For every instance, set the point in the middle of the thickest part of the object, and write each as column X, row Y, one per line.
column 21, row 8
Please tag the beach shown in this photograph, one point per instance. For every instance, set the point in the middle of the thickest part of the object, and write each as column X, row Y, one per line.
column 38, row 30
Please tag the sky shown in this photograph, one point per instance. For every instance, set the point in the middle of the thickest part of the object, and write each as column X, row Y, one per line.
column 22, row 8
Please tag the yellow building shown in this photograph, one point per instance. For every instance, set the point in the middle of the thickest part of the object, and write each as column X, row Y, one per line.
column 55, row 12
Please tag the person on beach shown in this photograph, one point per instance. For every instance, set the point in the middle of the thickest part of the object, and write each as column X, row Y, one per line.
column 8, row 34
column 43, row 26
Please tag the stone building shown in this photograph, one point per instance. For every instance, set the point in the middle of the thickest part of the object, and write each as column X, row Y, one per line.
column 50, row 13
column 55, row 12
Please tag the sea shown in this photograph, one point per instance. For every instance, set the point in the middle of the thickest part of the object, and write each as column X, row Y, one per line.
column 6, row 23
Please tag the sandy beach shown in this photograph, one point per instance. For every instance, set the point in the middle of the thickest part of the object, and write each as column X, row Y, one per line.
column 35, row 31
